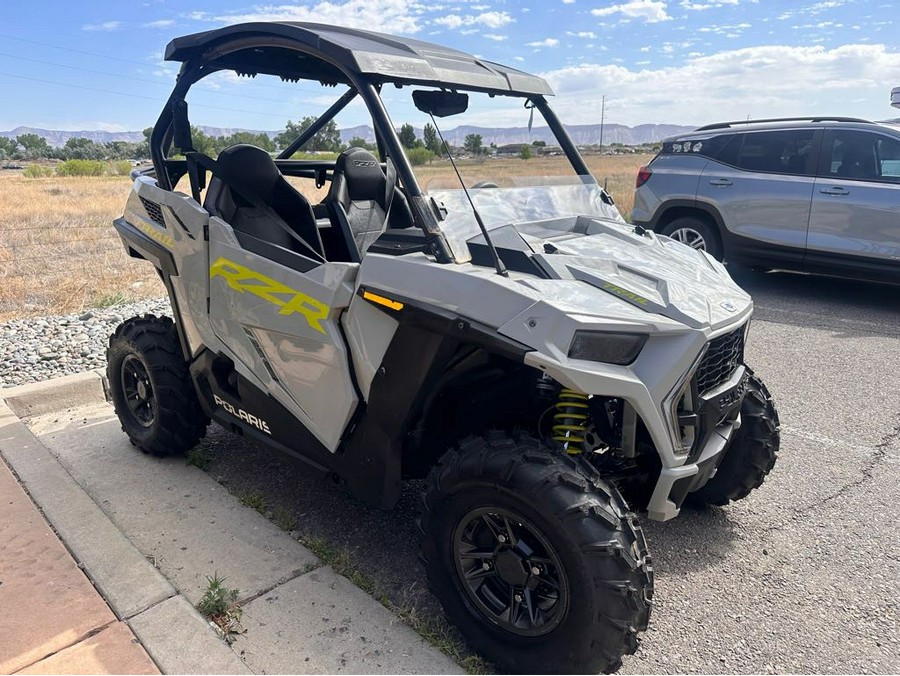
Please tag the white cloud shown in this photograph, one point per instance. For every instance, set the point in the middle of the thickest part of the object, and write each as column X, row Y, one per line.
column 390, row 16
column 699, row 5
column 548, row 42
column 105, row 26
column 162, row 23
column 493, row 36
column 486, row 19
column 590, row 35
column 765, row 81
column 651, row 11
column 568, row 2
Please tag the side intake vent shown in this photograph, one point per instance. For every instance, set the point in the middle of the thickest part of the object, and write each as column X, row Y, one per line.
column 262, row 357
column 154, row 211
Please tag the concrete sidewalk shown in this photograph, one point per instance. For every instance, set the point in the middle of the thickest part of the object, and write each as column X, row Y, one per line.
column 53, row 620
column 148, row 531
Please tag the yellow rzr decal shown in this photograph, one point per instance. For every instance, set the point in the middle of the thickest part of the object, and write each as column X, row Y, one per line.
column 289, row 300
column 154, row 234
column 381, row 300
column 625, row 293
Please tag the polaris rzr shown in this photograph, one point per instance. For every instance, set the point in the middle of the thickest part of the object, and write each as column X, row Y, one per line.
column 548, row 368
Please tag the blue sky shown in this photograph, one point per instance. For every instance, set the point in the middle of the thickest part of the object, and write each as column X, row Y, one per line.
column 98, row 65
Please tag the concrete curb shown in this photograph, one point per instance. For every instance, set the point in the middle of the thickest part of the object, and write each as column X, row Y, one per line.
column 56, row 394
column 132, row 587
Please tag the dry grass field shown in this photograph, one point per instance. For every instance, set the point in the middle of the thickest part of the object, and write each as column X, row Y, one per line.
column 59, row 252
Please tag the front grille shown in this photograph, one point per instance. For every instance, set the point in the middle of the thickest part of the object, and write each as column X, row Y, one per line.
column 154, row 211
column 724, row 355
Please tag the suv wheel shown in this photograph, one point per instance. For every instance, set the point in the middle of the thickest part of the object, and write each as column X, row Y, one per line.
column 535, row 558
column 696, row 233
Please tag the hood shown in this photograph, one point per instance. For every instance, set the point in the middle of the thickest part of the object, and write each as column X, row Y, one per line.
column 637, row 267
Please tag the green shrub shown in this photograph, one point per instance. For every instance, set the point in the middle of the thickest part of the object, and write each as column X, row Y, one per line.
column 120, row 168
column 419, row 156
column 37, row 171
column 81, row 168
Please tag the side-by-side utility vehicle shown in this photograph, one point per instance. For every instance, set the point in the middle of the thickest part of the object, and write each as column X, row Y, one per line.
column 551, row 370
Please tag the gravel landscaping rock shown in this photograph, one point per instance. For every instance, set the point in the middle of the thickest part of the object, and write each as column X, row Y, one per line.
column 40, row 348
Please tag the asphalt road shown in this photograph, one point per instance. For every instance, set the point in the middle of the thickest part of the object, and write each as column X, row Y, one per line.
column 799, row 577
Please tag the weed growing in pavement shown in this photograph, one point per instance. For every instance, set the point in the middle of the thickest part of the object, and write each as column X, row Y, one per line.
column 284, row 519
column 199, row 456
column 219, row 606
column 254, row 501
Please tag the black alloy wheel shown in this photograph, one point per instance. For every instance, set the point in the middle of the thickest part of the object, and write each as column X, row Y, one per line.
column 138, row 390
column 510, row 571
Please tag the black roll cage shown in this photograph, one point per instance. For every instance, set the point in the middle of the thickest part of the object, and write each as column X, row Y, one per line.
column 169, row 171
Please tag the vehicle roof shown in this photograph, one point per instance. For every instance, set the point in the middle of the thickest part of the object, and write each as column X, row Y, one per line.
column 271, row 48
column 788, row 123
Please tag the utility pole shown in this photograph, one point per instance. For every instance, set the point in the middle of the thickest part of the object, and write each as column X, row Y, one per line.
column 602, row 115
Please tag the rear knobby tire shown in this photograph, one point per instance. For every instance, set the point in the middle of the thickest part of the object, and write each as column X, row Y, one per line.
column 751, row 454
column 151, row 387
column 564, row 514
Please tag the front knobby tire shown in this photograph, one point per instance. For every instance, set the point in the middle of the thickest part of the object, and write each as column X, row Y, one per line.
column 752, row 453
column 534, row 557
column 151, row 387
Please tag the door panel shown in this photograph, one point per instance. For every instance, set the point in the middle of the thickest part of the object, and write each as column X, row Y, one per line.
column 762, row 184
column 856, row 203
column 281, row 325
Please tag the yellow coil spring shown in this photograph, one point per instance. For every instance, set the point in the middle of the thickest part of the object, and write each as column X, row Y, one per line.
column 570, row 420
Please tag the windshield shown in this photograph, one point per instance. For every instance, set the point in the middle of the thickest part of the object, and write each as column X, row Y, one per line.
column 534, row 199
column 510, row 161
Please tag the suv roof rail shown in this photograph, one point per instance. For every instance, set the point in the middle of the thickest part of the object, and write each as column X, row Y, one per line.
column 826, row 118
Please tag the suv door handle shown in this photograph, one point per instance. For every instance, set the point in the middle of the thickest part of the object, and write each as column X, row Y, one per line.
column 834, row 191
column 721, row 181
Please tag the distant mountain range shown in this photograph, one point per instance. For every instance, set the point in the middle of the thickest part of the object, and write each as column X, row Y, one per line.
column 582, row 135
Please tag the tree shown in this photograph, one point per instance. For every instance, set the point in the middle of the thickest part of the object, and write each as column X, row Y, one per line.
column 431, row 140
column 525, row 153
column 328, row 138
column 34, row 147
column 419, row 155
column 357, row 142
column 472, row 144
column 79, row 148
column 407, row 136
column 260, row 140
column 8, row 148
column 539, row 144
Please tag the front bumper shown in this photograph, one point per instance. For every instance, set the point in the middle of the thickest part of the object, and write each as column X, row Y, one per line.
column 718, row 417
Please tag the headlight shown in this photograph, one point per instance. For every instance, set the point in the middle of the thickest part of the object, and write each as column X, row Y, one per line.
column 609, row 348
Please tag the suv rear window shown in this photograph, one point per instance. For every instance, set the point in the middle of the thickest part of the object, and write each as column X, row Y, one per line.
column 708, row 147
column 778, row 152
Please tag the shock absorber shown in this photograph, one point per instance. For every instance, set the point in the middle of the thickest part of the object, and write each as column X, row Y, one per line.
column 570, row 420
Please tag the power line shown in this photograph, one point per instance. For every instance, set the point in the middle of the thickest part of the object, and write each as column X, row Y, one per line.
column 102, row 56
column 127, row 77
column 148, row 98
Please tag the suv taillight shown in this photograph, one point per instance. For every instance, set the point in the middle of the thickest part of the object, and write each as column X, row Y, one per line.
column 643, row 176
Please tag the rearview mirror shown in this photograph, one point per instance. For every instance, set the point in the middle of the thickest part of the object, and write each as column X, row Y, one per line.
column 440, row 104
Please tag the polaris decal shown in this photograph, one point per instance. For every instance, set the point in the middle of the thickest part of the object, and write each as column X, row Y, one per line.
column 290, row 300
column 248, row 418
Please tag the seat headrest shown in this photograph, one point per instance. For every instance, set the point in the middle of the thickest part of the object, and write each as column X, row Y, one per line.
column 255, row 167
column 363, row 174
